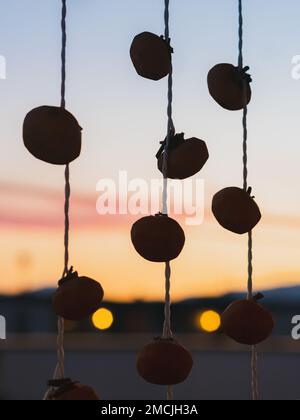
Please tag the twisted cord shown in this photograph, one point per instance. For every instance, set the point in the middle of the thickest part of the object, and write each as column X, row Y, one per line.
column 167, row 324
column 254, row 356
column 167, row 332
column 60, row 369
column 250, row 266
column 245, row 150
column 67, row 219
column 170, row 395
column 171, row 128
column 63, row 53
column 59, row 372
column 254, row 369
column 245, row 109
column 241, row 23
column 245, row 139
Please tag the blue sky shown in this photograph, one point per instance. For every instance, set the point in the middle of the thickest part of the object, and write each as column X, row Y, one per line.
column 123, row 116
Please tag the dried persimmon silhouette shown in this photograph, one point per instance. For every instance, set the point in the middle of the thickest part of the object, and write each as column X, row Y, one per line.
column 67, row 390
column 158, row 238
column 229, row 86
column 151, row 56
column 77, row 297
column 247, row 322
column 52, row 134
column 236, row 210
column 164, row 362
column 185, row 157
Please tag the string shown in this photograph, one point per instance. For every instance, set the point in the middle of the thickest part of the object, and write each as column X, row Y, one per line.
column 254, row 368
column 63, row 53
column 60, row 369
column 170, row 128
column 170, row 393
column 254, row 357
column 250, row 266
column 67, row 221
column 59, row 372
column 167, row 332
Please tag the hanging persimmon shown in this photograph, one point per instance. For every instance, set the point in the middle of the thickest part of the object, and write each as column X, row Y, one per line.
column 236, row 210
column 164, row 362
column 151, row 56
column 67, row 390
column 185, row 157
column 247, row 322
column 52, row 134
column 226, row 85
column 77, row 297
column 158, row 238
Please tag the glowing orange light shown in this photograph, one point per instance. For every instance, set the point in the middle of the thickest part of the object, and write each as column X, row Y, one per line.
column 103, row 319
column 209, row 321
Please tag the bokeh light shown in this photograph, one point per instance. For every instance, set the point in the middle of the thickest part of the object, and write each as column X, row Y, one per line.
column 103, row 319
column 209, row 321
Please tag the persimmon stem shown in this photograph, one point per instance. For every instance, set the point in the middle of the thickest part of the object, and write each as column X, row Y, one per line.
column 258, row 297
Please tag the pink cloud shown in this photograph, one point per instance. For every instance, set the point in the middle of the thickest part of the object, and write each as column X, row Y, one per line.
column 34, row 207
column 28, row 206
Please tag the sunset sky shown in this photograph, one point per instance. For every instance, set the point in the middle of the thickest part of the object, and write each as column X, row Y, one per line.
column 124, row 118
